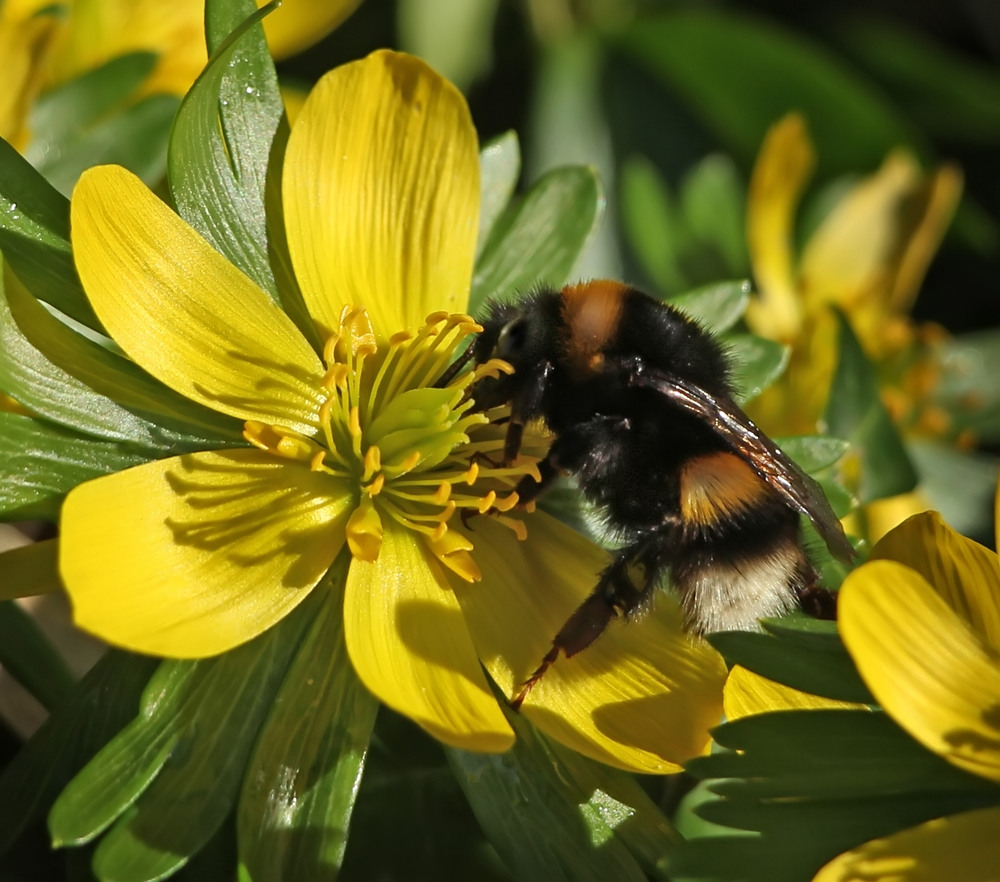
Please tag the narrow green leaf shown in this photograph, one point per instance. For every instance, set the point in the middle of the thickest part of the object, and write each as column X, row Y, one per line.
column 499, row 168
column 584, row 808
column 709, row 58
column 650, row 222
column 30, row 658
column 717, row 307
column 221, row 142
column 173, row 775
column 830, row 674
column 135, row 139
column 34, row 236
column 855, row 412
column 713, row 203
column 30, row 570
column 43, row 462
column 101, row 704
column 757, row 363
column 88, row 121
column 78, row 383
column 302, row 780
column 537, row 239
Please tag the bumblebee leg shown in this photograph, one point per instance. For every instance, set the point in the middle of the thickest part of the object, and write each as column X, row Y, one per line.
column 523, row 408
column 614, row 595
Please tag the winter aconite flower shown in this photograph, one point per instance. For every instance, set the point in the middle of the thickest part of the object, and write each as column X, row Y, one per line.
column 45, row 44
column 922, row 622
column 352, row 448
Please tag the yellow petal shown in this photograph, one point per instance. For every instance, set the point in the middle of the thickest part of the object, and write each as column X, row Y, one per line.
column 964, row 573
column 26, row 36
column 961, row 847
column 924, row 664
column 99, row 30
column 883, row 515
column 381, row 194
column 641, row 697
column 298, row 24
column 938, row 199
column 749, row 693
column 780, row 174
column 410, row 646
column 191, row 556
column 183, row 312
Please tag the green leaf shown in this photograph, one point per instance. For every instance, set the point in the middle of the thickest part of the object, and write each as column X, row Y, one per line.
column 42, row 462
column 409, row 789
column 740, row 74
column 713, row 204
column 100, row 705
column 171, row 777
column 826, row 754
column 649, row 220
column 944, row 91
column 30, row 658
column 814, row 453
column 826, row 672
column 302, row 780
column 78, row 383
column 716, row 307
column 757, row 363
column 62, row 114
column 30, row 570
column 598, row 823
column 968, row 387
column 960, row 484
column 220, row 145
column 89, row 121
column 499, row 168
column 537, row 239
column 855, row 412
column 34, row 237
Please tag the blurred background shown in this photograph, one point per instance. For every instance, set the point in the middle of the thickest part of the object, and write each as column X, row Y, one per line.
column 638, row 85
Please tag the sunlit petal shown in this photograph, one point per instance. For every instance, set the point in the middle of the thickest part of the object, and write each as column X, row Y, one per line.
column 25, row 37
column 641, row 697
column 298, row 24
column 381, row 194
column 191, row 556
column 183, row 312
column 964, row 573
column 748, row 693
column 410, row 647
column 924, row 664
column 783, row 167
column 960, row 847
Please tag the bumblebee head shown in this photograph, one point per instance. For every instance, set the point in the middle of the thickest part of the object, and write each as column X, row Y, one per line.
column 521, row 334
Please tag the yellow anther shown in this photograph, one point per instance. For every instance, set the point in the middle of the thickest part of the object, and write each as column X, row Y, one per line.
column 411, row 462
column 507, row 503
column 400, row 337
column 375, row 487
column 438, row 533
column 354, row 421
column 436, row 317
column 372, row 462
column 330, row 348
column 470, row 474
column 442, row 494
column 446, row 512
column 516, row 525
column 486, row 502
column 316, row 463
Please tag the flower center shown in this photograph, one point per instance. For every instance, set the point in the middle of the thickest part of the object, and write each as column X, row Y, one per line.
column 411, row 451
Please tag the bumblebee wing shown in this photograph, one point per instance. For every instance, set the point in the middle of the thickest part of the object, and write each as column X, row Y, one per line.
column 742, row 436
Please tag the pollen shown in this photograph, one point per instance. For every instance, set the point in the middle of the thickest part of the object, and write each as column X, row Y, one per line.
column 413, row 452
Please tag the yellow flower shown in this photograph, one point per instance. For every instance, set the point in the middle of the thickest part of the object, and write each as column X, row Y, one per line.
column 354, row 451
column 867, row 257
column 922, row 622
column 44, row 44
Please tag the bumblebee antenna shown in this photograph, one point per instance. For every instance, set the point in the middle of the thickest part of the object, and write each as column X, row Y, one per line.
column 455, row 367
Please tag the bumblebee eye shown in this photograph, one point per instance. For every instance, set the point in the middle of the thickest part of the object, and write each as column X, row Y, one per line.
column 512, row 339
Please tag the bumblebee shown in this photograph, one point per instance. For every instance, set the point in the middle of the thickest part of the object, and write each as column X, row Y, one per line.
column 640, row 403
